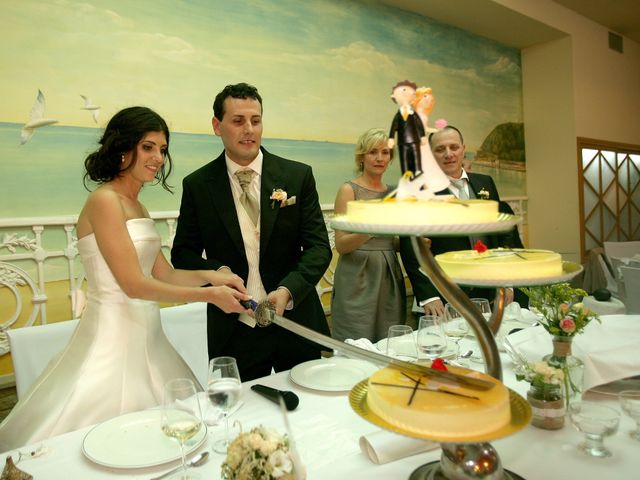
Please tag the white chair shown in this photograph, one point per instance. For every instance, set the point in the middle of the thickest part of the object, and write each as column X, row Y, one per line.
column 621, row 249
column 631, row 278
column 33, row 347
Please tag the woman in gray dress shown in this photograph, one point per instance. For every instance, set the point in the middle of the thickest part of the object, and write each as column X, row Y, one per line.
column 368, row 292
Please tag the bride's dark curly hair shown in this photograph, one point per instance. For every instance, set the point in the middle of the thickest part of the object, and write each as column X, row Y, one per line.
column 123, row 132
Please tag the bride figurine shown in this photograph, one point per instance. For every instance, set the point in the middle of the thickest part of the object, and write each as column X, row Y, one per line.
column 118, row 358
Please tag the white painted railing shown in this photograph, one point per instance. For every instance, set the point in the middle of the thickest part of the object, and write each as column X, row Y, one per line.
column 29, row 248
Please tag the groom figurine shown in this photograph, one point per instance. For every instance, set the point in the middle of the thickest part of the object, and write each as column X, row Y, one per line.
column 409, row 128
column 257, row 215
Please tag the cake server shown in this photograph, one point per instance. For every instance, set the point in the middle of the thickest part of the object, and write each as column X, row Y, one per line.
column 265, row 315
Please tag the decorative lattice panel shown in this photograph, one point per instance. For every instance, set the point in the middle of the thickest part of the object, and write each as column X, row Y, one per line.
column 610, row 196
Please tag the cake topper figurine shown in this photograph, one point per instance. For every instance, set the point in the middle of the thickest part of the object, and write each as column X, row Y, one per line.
column 421, row 174
column 407, row 124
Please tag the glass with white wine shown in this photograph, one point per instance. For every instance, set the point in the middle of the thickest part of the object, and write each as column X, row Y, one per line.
column 181, row 417
column 224, row 390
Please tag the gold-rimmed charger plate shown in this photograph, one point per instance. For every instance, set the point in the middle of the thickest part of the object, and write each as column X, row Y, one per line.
column 569, row 270
column 520, row 418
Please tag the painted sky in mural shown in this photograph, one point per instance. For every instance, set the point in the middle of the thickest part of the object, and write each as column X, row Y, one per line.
column 325, row 68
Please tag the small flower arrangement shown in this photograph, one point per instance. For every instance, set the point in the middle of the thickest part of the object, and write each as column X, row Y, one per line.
column 543, row 378
column 261, row 454
column 562, row 313
column 278, row 195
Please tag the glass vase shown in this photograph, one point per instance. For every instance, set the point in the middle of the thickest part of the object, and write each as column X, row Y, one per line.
column 572, row 367
column 547, row 406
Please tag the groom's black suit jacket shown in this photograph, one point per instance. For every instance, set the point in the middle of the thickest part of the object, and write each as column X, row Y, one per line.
column 294, row 247
column 422, row 286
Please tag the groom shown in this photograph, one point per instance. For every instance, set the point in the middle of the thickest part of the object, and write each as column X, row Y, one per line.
column 257, row 215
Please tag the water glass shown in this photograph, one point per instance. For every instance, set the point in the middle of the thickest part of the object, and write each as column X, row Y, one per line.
column 431, row 339
column 401, row 343
column 181, row 417
column 596, row 422
column 223, row 389
column 630, row 402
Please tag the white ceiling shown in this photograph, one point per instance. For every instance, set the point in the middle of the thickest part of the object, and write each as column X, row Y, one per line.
column 517, row 30
column 620, row 16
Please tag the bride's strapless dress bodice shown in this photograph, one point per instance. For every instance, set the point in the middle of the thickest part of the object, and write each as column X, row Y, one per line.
column 117, row 360
column 102, row 284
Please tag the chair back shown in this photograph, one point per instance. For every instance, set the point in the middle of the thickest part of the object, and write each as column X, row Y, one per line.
column 32, row 348
column 622, row 249
column 631, row 278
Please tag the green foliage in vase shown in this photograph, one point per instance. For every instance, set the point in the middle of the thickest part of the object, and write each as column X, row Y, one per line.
column 563, row 313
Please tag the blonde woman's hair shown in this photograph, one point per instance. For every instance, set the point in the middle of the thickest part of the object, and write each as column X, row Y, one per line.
column 367, row 142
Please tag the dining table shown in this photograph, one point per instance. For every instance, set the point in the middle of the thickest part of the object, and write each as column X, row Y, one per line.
column 327, row 432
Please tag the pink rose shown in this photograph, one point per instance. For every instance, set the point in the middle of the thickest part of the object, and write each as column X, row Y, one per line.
column 564, row 307
column 567, row 325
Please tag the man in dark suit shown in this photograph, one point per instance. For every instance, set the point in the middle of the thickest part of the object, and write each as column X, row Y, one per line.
column 448, row 148
column 257, row 215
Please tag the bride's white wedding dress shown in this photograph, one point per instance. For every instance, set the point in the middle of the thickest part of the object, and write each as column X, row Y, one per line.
column 117, row 360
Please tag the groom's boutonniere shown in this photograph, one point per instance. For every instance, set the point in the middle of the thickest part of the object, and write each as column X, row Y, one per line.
column 278, row 195
column 483, row 194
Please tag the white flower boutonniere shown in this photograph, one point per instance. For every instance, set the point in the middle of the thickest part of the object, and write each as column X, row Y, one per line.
column 483, row 194
column 278, row 195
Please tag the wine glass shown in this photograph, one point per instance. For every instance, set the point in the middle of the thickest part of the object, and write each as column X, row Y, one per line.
column 223, row 390
column 596, row 422
column 455, row 325
column 181, row 417
column 483, row 305
column 630, row 402
column 456, row 328
column 431, row 339
column 401, row 344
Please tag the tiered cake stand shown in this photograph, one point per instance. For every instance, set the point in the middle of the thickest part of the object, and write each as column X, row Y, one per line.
column 473, row 458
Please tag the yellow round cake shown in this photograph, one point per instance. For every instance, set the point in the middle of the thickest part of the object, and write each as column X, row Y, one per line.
column 454, row 415
column 501, row 263
column 412, row 211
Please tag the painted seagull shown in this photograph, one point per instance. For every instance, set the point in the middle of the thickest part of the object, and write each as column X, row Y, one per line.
column 94, row 109
column 36, row 120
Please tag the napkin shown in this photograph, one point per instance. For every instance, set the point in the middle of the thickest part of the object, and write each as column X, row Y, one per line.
column 384, row 447
column 609, row 349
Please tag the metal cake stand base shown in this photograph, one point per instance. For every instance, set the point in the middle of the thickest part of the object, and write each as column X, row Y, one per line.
column 433, row 471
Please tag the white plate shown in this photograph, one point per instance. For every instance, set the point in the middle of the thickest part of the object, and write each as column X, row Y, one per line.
column 335, row 374
column 503, row 222
column 613, row 388
column 135, row 440
column 569, row 270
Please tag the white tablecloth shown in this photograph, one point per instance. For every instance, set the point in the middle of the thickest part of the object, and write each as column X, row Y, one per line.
column 327, row 432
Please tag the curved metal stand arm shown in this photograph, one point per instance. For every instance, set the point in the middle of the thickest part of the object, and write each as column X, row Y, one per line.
column 497, row 311
column 454, row 295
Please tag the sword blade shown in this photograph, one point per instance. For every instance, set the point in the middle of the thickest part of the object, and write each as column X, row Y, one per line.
column 378, row 358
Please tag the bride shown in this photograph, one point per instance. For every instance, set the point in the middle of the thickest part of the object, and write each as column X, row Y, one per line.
column 118, row 357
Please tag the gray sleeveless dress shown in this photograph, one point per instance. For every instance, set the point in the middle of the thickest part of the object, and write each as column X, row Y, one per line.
column 368, row 291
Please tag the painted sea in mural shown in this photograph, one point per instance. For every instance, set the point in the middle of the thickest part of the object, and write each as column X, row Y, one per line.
column 44, row 176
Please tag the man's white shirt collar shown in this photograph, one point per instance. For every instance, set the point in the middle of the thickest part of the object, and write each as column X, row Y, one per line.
column 255, row 165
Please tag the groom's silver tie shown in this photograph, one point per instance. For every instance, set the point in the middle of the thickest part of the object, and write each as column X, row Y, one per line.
column 462, row 188
column 247, row 199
